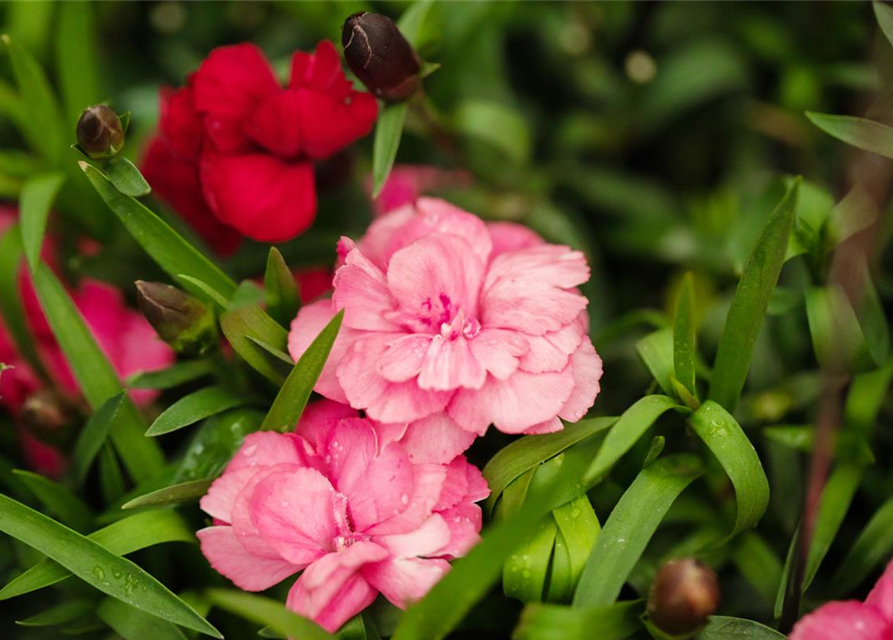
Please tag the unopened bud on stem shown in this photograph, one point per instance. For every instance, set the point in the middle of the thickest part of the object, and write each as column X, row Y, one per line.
column 99, row 132
column 684, row 594
column 51, row 416
column 184, row 322
column 380, row 56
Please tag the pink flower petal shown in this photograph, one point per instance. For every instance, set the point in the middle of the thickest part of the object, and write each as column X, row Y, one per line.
column 499, row 351
column 509, row 236
column 405, row 580
column 843, row 621
column 464, row 521
column 427, row 484
column 221, row 497
column 268, row 448
column 319, row 419
column 436, row 439
column 362, row 291
column 450, row 364
column 551, row 351
column 881, row 596
column 404, row 357
column 587, row 367
column 430, row 536
column 246, row 570
column 312, row 319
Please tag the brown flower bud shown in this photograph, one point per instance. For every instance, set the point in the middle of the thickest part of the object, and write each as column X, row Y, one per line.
column 51, row 416
column 380, row 56
column 684, row 594
column 99, row 132
column 184, row 322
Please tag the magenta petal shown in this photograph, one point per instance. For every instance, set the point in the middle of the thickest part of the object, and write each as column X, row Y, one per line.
column 843, row 621
column 246, row 570
column 319, row 418
column 881, row 596
column 464, row 521
column 267, row 448
column 405, row 580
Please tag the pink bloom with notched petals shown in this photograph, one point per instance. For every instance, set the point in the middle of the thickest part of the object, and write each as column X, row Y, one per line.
column 453, row 321
column 357, row 516
column 852, row 620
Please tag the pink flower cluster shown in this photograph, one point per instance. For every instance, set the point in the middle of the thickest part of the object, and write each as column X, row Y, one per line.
column 355, row 513
column 852, row 620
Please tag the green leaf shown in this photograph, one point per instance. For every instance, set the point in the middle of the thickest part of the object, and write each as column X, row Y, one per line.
column 95, row 375
column 554, row 622
column 93, row 436
column 126, row 178
column 175, row 375
column 836, row 335
column 758, row 564
column 196, row 406
column 684, row 335
column 525, row 572
column 411, row 20
column 866, row 395
column 578, row 529
column 283, row 300
column 43, row 124
column 175, row 494
column 725, row 438
column 268, row 612
column 133, row 533
column 132, row 624
column 745, row 316
column 248, row 293
column 241, row 324
column 295, row 392
column 214, row 296
column 388, row 131
column 496, row 124
column 528, row 452
column 11, row 309
column 627, row 430
column 111, row 479
column 656, row 351
column 35, row 201
column 168, row 248
column 215, row 442
column 860, row 132
column 97, row 566
column 630, row 527
column 872, row 549
column 57, row 500
column 723, row 628
column 77, row 63
column 60, row 614
column 884, row 16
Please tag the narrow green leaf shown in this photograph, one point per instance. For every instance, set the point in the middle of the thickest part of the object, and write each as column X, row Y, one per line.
column 684, row 335
column 525, row 572
column 215, row 442
column 241, row 324
column 860, row 132
column 248, row 293
column 754, row 291
column 173, row 376
column 411, row 20
column 723, row 628
column 132, row 624
column 268, row 612
column 630, row 527
column 168, row 248
column 57, row 500
column 837, row 338
column 725, row 438
column 759, row 565
column 95, row 375
column 97, row 566
column 656, row 351
column 631, row 426
column 133, row 533
column 496, row 124
column 77, row 62
column 111, row 479
column 35, row 201
column 555, row 622
column 126, row 178
column 281, row 289
column 872, row 549
column 211, row 294
column 93, row 435
column 175, row 494
column 388, row 131
column 60, row 614
column 279, row 354
column 578, row 529
column 866, row 395
column 295, row 392
column 196, row 406
column 884, row 15
column 11, row 308
column 43, row 121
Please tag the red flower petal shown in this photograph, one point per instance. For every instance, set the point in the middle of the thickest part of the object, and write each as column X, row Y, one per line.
column 260, row 195
column 328, row 124
column 180, row 123
column 276, row 124
column 320, row 71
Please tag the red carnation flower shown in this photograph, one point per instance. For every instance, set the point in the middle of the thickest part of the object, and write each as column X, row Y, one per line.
column 235, row 151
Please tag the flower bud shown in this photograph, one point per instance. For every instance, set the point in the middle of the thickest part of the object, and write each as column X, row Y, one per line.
column 684, row 594
column 51, row 417
column 99, row 132
column 184, row 322
column 380, row 56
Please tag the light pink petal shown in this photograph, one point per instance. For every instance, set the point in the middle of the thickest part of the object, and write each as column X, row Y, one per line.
column 362, row 291
column 843, row 621
column 477, row 484
column 243, row 526
column 383, row 233
column 499, row 351
column 450, row 364
column 267, row 448
column 404, row 357
column 403, row 581
column 436, row 439
column 455, row 486
column 549, row 426
column 332, row 590
column 246, row 570
column 298, row 513
column 319, row 419
column 464, row 521
column 532, row 290
column 388, row 432
column 312, row 319
column 550, row 351
column 221, row 497
column 432, row 535
column 510, row 236
column 432, row 279
column 428, row 481
column 881, row 596
column 515, row 404
column 587, row 369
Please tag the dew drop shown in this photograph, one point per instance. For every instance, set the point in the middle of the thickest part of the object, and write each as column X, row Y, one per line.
column 99, row 572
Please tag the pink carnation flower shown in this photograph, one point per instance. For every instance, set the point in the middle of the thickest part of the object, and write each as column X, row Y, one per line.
column 852, row 620
column 407, row 182
column 357, row 516
column 453, row 321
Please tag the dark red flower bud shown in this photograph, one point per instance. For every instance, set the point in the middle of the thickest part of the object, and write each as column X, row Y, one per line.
column 380, row 56
column 184, row 322
column 684, row 594
column 51, row 416
column 99, row 132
